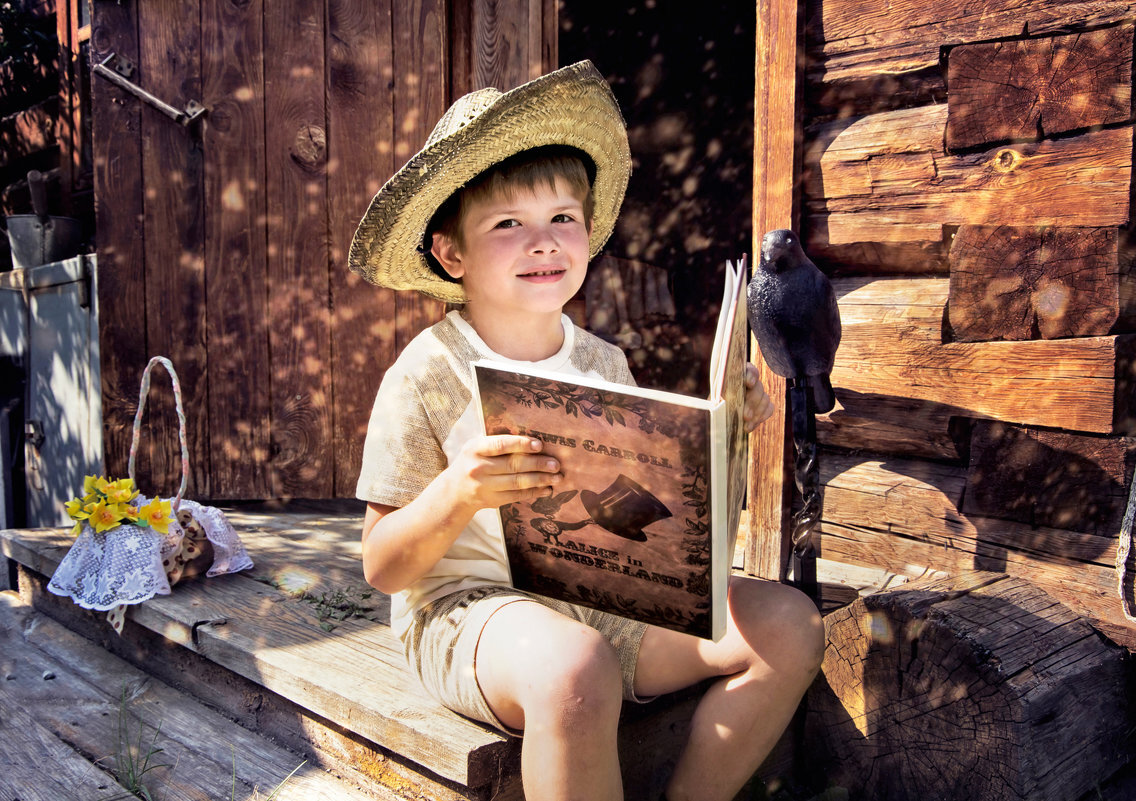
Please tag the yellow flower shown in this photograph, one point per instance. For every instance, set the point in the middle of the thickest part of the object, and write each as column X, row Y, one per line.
column 121, row 491
column 104, row 517
column 76, row 510
column 156, row 514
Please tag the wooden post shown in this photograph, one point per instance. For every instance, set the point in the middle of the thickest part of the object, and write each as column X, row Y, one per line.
column 774, row 167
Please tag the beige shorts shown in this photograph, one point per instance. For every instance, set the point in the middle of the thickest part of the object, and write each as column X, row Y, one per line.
column 441, row 645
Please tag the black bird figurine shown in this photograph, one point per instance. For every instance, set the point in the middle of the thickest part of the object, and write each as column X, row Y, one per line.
column 793, row 313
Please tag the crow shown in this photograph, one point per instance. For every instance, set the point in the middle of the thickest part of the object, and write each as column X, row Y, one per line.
column 793, row 313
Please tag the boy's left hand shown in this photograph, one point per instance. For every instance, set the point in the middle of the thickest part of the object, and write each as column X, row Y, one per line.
column 758, row 406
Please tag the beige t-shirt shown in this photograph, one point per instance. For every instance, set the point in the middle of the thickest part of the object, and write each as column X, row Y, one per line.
column 424, row 413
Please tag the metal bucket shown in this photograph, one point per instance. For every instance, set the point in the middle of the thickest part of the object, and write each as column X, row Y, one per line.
column 37, row 240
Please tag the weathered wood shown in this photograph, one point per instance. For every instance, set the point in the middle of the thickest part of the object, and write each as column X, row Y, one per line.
column 875, row 258
column 892, row 345
column 203, row 752
column 850, row 39
column 117, row 150
column 298, row 288
column 28, row 131
column 354, row 676
column 36, row 766
column 240, row 423
column 363, row 316
column 500, row 44
column 1049, row 478
column 169, row 66
column 885, row 178
column 979, row 686
column 421, row 96
column 1036, row 88
column 1030, row 283
column 776, row 156
column 904, row 516
column 882, row 423
column 872, row 95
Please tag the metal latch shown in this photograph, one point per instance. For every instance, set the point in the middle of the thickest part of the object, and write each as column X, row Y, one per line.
column 120, row 76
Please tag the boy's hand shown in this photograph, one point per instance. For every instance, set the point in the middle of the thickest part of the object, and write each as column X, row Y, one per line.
column 758, row 406
column 493, row 471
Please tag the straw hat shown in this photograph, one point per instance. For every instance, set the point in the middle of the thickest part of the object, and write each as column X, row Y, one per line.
column 571, row 106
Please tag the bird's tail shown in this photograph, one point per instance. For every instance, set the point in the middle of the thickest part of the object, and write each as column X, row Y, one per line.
column 823, row 395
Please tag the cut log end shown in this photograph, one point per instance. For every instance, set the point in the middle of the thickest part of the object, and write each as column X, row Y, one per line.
column 979, row 686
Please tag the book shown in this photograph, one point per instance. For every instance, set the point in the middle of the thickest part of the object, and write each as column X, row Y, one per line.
column 645, row 522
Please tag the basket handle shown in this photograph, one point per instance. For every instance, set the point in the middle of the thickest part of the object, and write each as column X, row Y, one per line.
column 162, row 360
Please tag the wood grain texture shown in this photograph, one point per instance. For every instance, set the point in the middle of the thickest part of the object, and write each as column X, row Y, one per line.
column 776, row 155
column 851, row 39
column 968, row 687
column 354, row 676
column 1012, row 283
column 905, row 516
column 117, row 150
column 204, row 753
column 233, row 136
column 1048, row 478
column 893, row 345
column 360, row 160
column 298, row 283
column 169, row 66
column 885, row 178
column 1038, row 88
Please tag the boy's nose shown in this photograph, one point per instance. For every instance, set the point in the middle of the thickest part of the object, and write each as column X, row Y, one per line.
column 544, row 241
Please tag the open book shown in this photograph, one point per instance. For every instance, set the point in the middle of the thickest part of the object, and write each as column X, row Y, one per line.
column 645, row 522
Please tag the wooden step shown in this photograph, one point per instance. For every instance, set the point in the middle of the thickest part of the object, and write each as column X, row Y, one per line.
column 303, row 625
column 68, row 703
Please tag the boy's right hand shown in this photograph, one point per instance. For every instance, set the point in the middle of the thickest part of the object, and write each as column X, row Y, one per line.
column 496, row 470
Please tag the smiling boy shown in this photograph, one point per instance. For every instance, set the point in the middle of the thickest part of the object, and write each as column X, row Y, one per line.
column 500, row 212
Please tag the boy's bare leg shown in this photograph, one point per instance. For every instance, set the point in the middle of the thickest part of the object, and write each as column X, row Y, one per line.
column 559, row 681
column 770, row 654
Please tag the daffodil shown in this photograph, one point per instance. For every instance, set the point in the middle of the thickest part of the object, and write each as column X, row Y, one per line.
column 156, row 514
column 104, row 517
column 121, row 491
column 77, row 510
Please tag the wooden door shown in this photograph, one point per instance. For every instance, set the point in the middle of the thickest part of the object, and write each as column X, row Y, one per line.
column 222, row 244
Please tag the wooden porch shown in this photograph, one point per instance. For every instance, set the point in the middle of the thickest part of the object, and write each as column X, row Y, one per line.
column 292, row 662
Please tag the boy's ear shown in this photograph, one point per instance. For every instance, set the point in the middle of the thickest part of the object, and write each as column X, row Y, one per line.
column 445, row 250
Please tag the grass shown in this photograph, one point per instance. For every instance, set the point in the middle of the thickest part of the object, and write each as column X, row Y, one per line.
column 135, row 754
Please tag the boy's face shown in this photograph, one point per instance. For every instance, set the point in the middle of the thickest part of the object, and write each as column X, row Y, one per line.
column 526, row 253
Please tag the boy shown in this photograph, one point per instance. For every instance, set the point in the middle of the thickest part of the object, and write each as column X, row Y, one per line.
column 500, row 212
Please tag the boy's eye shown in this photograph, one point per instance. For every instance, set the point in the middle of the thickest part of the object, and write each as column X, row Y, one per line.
column 507, row 224
column 563, row 218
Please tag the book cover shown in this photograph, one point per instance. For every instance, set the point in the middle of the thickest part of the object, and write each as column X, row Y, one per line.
column 645, row 521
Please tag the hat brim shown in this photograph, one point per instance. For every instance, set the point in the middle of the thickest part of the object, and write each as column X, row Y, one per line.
column 572, row 106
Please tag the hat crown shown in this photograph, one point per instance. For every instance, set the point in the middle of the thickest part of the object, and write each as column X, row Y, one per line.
column 462, row 112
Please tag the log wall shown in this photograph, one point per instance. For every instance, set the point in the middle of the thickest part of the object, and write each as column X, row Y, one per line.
column 967, row 180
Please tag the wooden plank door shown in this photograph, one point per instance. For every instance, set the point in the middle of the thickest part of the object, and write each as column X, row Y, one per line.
column 222, row 244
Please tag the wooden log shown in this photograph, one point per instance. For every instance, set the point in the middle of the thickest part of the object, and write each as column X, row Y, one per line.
column 904, row 516
column 885, row 178
column 1039, row 283
column 979, row 686
column 1049, row 478
column 871, row 95
column 892, row 345
column 875, row 258
column 880, row 423
column 1037, row 88
column 850, row 39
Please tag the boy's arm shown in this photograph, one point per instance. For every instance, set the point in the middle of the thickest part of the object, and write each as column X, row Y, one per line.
column 400, row 544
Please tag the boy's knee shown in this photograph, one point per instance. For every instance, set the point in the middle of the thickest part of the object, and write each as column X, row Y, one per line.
column 584, row 683
column 778, row 614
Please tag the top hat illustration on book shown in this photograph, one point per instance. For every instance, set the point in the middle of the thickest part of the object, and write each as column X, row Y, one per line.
column 624, row 508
